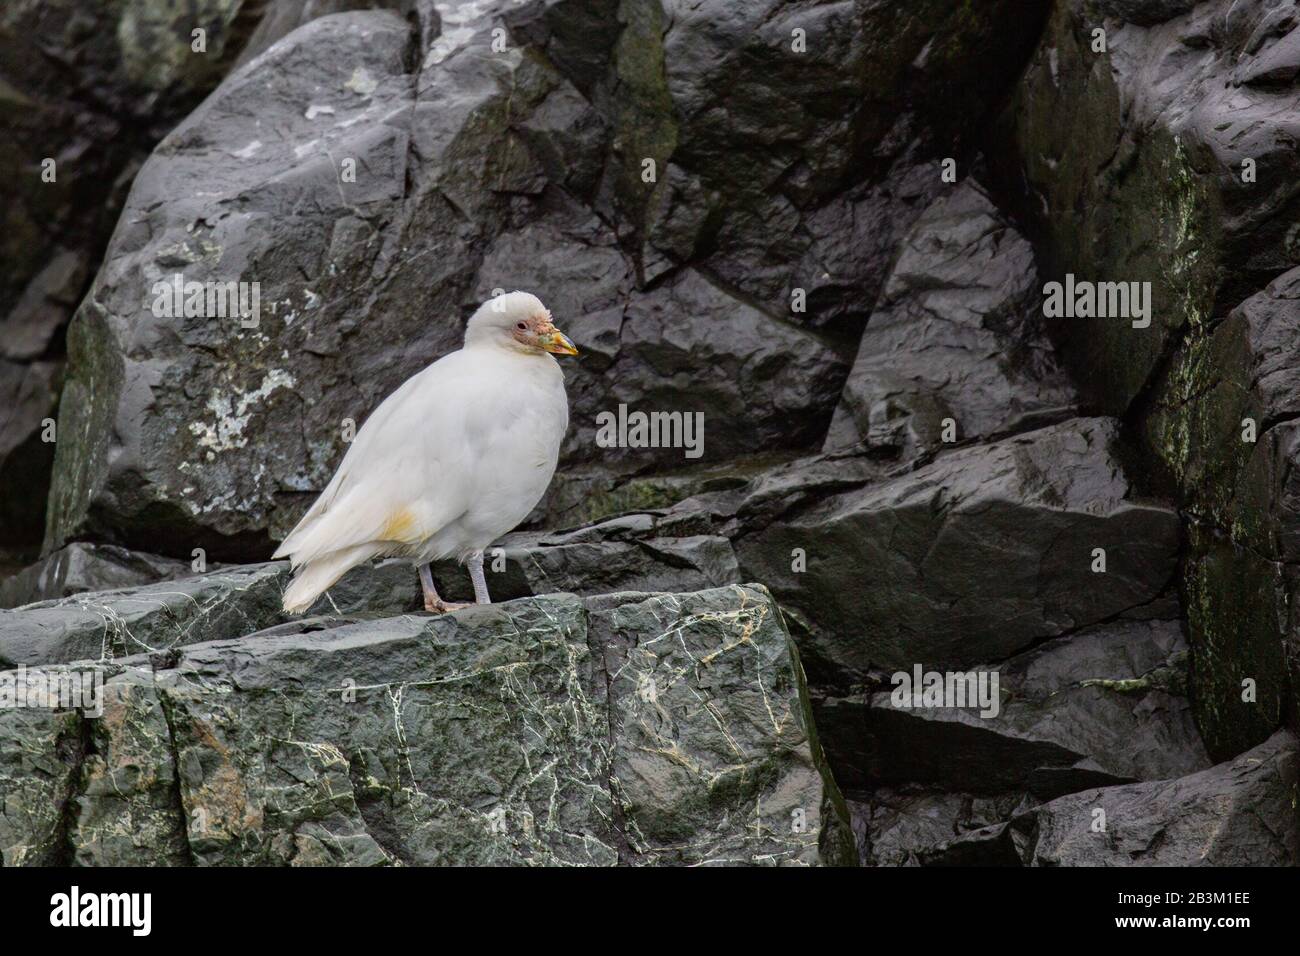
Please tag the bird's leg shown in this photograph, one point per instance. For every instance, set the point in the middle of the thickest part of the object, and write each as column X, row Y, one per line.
column 475, row 562
column 431, row 600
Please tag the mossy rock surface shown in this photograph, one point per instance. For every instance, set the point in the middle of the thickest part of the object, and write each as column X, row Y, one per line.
column 630, row 729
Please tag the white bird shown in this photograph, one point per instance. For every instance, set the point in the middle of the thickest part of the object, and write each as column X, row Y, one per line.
column 448, row 463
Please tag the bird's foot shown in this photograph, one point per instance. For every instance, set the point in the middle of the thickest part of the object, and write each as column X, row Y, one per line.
column 439, row 606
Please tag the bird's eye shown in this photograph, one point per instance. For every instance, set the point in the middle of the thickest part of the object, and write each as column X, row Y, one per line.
column 522, row 326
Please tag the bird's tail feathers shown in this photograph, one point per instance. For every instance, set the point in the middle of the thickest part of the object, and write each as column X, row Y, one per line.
column 315, row 577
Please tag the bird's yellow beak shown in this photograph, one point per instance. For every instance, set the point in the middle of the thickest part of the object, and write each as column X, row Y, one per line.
column 557, row 342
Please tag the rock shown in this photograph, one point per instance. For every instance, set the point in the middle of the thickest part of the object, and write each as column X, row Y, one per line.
column 30, row 395
column 912, row 826
column 134, row 75
column 40, row 753
column 622, row 554
column 1239, row 813
column 956, row 337
column 759, row 115
column 225, row 603
column 1177, row 171
column 121, row 617
column 1144, row 12
column 967, row 560
column 1130, row 165
column 104, row 625
column 1241, row 642
column 94, row 86
column 636, row 729
column 1221, row 434
column 89, row 87
column 493, row 195
column 223, row 380
column 127, row 804
column 702, row 697
column 87, row 567
column 1103, row 706
column 1216, row 421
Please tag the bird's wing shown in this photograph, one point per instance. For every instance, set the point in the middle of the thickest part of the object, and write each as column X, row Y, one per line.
column 398, row 481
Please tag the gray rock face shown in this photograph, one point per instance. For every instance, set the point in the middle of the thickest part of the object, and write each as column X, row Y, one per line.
column 969, row 559
column 479, row 168
column 91, row 86
column 956, row 339
column 1150, row 182
column 87, row 567
column 635, row 729
column 432, row 143
column 1107, row 705
column 1238, row 813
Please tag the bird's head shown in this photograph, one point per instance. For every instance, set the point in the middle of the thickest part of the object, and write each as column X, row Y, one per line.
column 517, row 320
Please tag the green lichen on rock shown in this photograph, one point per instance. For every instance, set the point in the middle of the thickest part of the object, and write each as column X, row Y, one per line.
column 1216, row 424
column 730, row 781
column 1121, row 204
column 1239, row 682
column 127, row 809
column 40, row 751
column 1153, row 192
column 631, row 729
column 157, row 41
column 85, row 427
column 642, row 115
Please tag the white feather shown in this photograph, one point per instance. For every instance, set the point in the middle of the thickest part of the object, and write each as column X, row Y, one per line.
column 452, row 460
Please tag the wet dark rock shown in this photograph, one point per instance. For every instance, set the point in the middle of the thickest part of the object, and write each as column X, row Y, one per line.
column 29, row 396
column 1105, row 705
column 92, row 86
column 914, row 826
column 188, row 395
column 87, row 567
column 1145, row 179
column 1144, row 12
column 766, row 139
column 1221, row 427
column 967, row 560
column 1187, row 178
column 955, row 341
column 1242, row 812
